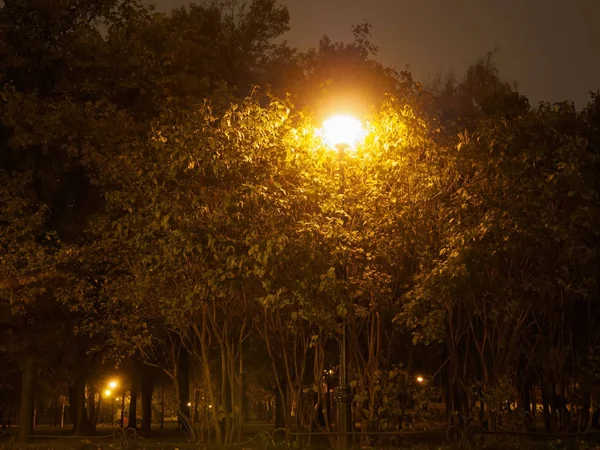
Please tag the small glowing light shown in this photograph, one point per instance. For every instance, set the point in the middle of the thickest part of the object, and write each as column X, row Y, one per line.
column 419, row 379
column 189, row 403
column 107, row 393
column 342, row 130
column 113, row 384
column 330, row 371
column 210, row 406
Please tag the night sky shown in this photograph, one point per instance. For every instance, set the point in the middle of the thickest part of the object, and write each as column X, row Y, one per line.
column 550, row 47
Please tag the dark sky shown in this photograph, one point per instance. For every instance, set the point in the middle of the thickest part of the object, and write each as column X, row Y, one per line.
column 550, row 47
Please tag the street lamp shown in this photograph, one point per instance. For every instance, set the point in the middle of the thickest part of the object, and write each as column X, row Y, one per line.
column 112, row 384
column 342, row 132
column 108, row 394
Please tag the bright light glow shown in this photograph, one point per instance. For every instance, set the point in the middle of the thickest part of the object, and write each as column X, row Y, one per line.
column 189, row 403
column 107, row 393
column 210, row 406
column 113, row 384
column 342, row 130
column 419, row 379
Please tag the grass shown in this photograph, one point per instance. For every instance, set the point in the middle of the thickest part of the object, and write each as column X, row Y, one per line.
column 170, row 438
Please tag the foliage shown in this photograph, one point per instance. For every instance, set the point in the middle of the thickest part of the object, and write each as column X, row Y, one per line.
column 154, row 205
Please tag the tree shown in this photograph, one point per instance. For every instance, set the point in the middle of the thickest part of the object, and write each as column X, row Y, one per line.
column 480, row 92
column 46, row 166
column 512, row 250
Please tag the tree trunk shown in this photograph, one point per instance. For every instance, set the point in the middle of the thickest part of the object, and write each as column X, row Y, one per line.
column 584, row 418
column 183, row 383
column 279, row 412
column 565, row 414
column 546, row 409
column 52, row 413
column 73, row 405
column 237, row 381
column 133, row 403
column 225, row 393
column 123, row 409
column 245, row 408
column 27, row 398
column 162, row 405
column 91, row 402
column 533, row 403
column 206, row 369
column 147, row 388
column 526, row 398
column 82, row 426
column 196, row 413
column 555, row 411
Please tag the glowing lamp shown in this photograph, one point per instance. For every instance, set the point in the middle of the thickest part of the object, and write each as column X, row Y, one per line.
column 342, row 131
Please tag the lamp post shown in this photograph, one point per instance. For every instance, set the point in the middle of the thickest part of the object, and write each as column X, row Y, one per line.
column 112, row 385
column 342, row 132
column 108, row 395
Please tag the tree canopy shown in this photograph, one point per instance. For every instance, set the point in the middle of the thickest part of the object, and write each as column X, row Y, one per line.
column 167, row 201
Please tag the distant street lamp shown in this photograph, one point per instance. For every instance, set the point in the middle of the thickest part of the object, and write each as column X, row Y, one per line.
column 420, row 379
column 342, row 133
column 112, row 384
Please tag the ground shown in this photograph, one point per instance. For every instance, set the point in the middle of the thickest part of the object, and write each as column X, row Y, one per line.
column 258, row 435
